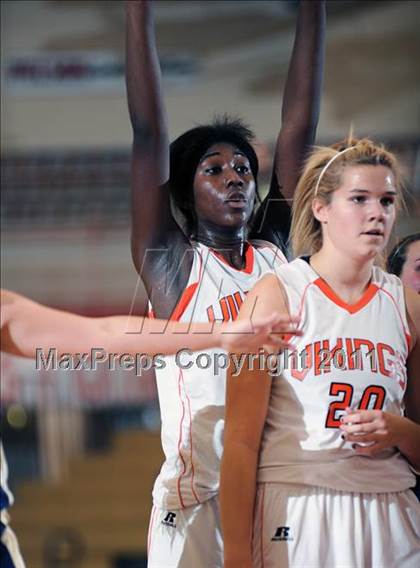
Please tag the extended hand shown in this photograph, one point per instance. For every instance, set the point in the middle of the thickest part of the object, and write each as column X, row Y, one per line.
column 271, row 333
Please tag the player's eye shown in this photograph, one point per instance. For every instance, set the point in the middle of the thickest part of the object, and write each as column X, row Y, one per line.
column 359, row 199
column 387, row 201
column 213, row 170
column 242, row 169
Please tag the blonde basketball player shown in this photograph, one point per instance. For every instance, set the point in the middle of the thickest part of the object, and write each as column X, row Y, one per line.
column 318, row 460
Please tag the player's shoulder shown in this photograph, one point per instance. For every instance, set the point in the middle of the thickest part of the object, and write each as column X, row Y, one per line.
column 386, row 280
column 390, row 286
column 266, row 281
column 297, row 268
column 266, row 246
column 267, row 295
column 261, row 244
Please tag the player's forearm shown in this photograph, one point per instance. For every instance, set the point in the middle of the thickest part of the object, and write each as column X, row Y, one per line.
column 237, row 497
column 135, row 334
column 302, row 93
column 301, row 101
column 31, row 327
column 143, row 77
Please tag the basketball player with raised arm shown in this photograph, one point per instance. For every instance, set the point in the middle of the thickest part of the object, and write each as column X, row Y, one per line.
column 204, row 270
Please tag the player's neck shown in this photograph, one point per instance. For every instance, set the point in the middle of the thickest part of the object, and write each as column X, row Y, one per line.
column 228, row 241
column 348, row 277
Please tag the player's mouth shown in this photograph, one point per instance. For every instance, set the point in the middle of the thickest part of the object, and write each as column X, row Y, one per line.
column 374, row 233
column 237, row 199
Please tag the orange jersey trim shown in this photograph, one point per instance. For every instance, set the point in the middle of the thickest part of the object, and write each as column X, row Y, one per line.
column 368, row 294
column 191, row 289
column 186, row 296
column 183, row 302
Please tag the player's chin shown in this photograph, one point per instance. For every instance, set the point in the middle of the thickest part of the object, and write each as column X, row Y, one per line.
column 236, row 220
column 240, row 217
column 370, row 252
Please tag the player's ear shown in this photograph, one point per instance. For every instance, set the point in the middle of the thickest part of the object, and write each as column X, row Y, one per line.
column 319, row 210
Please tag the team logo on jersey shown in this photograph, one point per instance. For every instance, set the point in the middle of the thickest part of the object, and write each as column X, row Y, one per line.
column 348, row 354
column 169, row 519
column 282, row 533
column 227, row 308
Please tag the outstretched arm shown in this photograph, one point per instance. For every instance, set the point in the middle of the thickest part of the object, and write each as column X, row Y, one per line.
column 300, row 113
column 27, row 326
column 152, row 221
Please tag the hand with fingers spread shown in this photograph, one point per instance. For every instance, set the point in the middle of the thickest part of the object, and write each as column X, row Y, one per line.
column 372, row 431
column 270, row 333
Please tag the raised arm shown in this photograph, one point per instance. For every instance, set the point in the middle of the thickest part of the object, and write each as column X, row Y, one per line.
column 247, row 398
column 300, row 113
column 152, row 221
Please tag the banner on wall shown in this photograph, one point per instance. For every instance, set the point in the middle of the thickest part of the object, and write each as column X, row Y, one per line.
column 76, row 72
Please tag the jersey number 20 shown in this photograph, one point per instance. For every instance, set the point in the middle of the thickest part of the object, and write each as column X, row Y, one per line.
column 373, row 398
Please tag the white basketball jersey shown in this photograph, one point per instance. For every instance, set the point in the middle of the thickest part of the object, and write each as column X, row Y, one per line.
column 191, row 386
column 349, row 356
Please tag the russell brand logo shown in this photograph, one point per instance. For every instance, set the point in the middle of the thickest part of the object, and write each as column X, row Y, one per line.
column 282, row 533
column 169, row 520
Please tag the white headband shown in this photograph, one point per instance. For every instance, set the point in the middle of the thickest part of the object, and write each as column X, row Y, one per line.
column 328, row 164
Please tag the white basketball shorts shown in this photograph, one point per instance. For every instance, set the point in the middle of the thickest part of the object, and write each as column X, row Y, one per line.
column 186, row 538
column 310, row 527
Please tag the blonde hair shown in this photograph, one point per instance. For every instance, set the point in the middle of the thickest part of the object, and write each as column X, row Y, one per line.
column 322, row 176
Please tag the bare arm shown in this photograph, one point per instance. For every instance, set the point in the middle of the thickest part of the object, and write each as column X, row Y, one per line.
column 152, row 222
column 247, row 398
column 300, row 114
column 27, row 325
